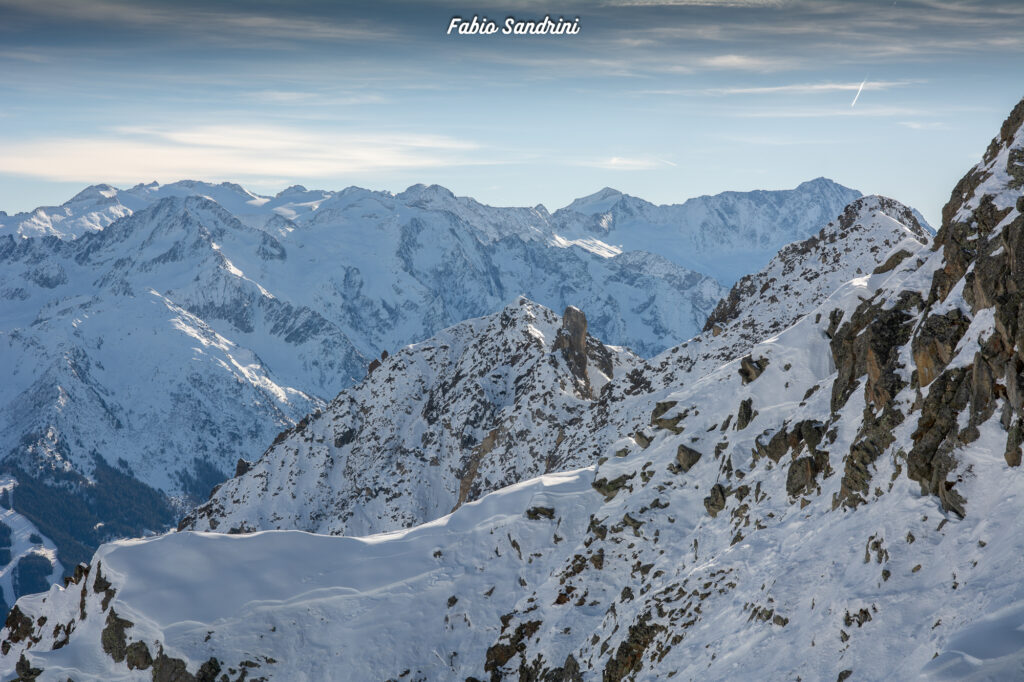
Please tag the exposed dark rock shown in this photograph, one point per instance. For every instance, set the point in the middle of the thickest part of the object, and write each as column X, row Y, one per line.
column 891, row 262
column 113, row 637
column 715, row 502
column 24, row 670
column 610, row 488
column 934, row 343
column 536, row 513
column 801, row 475
column 668, row 423
column 242, row 467
column 745, row 414
column 501, row 653
column 628, row 657
column 751, row 369
column 931, row 458
column 208, row 671
column 572, row 342
column 137, row 656
column 167, row 669
column 687, row 457
column 19, row 626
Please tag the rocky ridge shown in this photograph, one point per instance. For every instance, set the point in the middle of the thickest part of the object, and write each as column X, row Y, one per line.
column 482, row 405
column 244, row 312
column 371, row 479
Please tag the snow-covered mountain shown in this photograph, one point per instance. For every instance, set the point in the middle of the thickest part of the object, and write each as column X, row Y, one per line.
column 726, row 235
column 177, row 328
column 837, row 504
column 491, row 402
column 872, row 233
column 480, row 406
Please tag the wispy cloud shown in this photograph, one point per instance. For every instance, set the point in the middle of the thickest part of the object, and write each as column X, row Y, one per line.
column 307, row 98
column 742, row 62
column 220, row 25
column 25, row 56
column 626, row 163
column 826, row 112
column 924, row 125
column 222, row 152
column 808, row 88
column 692, row 3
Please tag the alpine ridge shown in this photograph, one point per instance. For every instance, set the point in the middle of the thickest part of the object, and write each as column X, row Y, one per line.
column 242, row 313
column 521, row 421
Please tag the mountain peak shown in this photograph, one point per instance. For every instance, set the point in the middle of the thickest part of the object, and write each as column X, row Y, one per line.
column 598, row 202
column 817, row 183
column 94, row 192
column 294, row 189
column 986, row 199
column 867, row 207
column 872, row 233
column 999, row 175
column 419, row 192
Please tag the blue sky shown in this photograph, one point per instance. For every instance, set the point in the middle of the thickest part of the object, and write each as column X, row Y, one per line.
column 663, row 100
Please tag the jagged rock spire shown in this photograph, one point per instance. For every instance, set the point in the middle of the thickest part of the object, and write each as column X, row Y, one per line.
column 572, row 342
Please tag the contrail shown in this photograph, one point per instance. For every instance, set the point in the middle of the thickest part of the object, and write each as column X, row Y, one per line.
column 858, row 92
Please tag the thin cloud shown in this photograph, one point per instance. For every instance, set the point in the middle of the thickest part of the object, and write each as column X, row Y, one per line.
column 25, row 56
column 692, row 3
column 623, row 163
column 808, row 88
column 923, row 125
column 221, row 26
column 741, row 62
column 314, row 98
column 830, row 112
column 216, row 152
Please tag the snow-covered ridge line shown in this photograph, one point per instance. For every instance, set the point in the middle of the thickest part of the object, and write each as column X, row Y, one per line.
column 461, row 433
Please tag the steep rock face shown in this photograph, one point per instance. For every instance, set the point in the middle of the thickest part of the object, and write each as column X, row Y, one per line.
column 482, row 405
column 897, row 385
column 871, row 234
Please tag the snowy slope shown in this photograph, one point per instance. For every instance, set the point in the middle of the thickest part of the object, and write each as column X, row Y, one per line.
column 238, row 331
column 856, row 519
column 21, row 540
column 726, row 235
column 480, row 406
column 871, row 233
column 470, row 439
column 242, row 313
